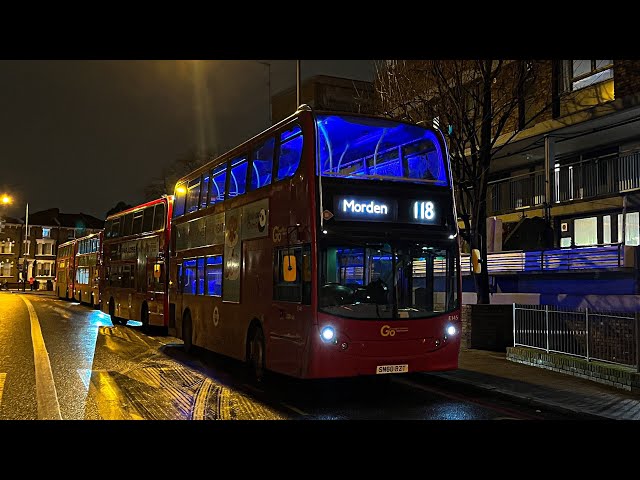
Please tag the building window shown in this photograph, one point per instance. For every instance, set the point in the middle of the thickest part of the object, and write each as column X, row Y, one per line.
column 585, row 231
column 582, row 73
column 6, row 246
column 46, row 232
column 565, row 242
column 5, row 268
column 631, row 229
column 44, row 247
column 606, row 229
column 43, row 269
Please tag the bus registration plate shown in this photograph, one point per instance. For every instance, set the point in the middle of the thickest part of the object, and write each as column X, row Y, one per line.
column 392, row 369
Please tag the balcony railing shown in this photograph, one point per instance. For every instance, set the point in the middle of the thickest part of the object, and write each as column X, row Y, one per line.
column 610, row 256
column 577, row 181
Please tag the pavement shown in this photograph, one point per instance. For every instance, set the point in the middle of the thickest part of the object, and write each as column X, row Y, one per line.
column 541, row 387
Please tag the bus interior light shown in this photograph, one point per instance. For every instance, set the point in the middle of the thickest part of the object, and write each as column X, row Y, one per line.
column 328, row 334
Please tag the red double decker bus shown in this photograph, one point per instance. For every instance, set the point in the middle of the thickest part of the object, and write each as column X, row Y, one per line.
column 65, row 269
column 326, row 246
column 88, row 266
column 135, row 250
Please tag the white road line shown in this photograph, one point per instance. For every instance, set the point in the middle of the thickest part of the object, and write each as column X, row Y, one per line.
column 297, row 410
column 3, row 376
column 48, row 407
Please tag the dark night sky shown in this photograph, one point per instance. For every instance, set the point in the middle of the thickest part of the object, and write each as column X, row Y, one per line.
column 82, row 135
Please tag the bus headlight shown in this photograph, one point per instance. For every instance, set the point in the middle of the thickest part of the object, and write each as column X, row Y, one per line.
column 328, row 334
column 451, row 330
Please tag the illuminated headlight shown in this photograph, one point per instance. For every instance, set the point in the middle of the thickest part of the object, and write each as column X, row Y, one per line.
column 327, row 334
column 451, row 330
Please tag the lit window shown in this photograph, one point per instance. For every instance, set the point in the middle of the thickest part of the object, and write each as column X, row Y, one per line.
column 262, row 165
column 214, row 275
column 46, row 232
column 290, row 152
column 582, row 73
column 238, row 180
column 586, row 231
column 218, row 180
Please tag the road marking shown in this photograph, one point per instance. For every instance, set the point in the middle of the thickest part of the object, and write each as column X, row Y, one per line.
column 48, row 407
column 3, row 376
column 109, row 398
column 297, row 410
column 199, row 409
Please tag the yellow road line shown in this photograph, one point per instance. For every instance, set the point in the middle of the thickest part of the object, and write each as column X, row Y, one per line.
column 108, row 398
column 48, row 407
column 3, row 376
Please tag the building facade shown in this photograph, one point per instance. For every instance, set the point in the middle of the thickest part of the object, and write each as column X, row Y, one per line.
column 34, row 255
column 574, row 159
column 324, row 92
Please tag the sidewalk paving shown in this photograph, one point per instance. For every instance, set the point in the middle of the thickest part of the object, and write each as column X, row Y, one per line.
column 539, row 386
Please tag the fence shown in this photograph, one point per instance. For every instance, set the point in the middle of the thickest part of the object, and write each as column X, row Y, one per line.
column 604, row 336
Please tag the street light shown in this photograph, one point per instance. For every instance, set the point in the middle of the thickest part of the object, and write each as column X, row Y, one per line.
column 6, row 199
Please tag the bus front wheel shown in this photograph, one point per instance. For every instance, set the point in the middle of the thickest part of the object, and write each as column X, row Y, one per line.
column 256, row 355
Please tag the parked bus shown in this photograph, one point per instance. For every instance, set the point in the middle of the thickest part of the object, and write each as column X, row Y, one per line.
column 326, row 246
column 88, row 265
column 65, row 269
column 135, row 249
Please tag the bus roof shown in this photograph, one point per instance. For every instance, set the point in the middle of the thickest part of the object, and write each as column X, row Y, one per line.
column 139, row 207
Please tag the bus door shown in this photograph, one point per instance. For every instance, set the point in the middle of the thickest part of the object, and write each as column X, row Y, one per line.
column 291, row 315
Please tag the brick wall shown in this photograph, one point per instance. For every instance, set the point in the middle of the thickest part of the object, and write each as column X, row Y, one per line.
column 626, row 77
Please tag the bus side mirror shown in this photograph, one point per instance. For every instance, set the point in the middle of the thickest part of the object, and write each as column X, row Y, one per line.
column 156, row 270
column 289, row 273
column 476, row 264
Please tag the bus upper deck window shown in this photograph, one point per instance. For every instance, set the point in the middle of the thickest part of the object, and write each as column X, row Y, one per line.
column 290, row 152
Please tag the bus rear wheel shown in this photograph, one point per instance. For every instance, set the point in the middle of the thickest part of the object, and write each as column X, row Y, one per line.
column 187, row 332
column 256, row 355
column 144, row 318
column 112, row 313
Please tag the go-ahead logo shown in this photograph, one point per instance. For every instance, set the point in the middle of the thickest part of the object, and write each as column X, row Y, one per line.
column 388, row 331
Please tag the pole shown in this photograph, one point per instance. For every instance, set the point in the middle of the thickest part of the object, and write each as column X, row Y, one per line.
column 268, row 88
column 298, row 82
column 549, row 162
column 25, row 264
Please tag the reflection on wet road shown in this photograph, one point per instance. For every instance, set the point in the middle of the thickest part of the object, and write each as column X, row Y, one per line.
column 138, row 381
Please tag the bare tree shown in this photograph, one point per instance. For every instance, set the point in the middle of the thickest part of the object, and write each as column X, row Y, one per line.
column 475, row 102
column 185, row 164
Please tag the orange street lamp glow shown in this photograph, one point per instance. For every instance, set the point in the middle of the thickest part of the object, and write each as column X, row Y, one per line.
column 6, row 199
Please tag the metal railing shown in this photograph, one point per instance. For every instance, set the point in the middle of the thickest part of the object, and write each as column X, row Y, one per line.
column 576, row 181
column 604, row 336
column 580, row 258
